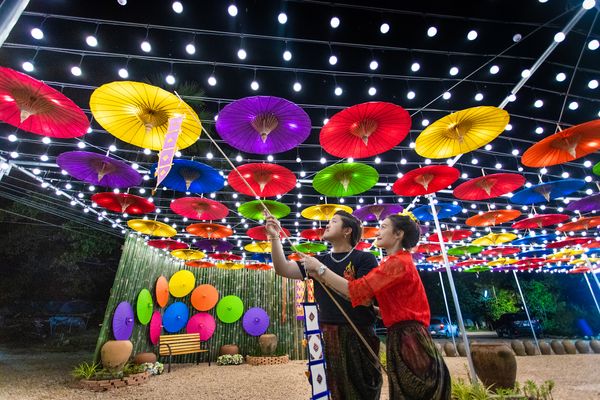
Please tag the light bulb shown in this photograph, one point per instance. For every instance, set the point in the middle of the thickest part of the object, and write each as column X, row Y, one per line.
column 372, row 91
column 297, row 87
column 177, row 7
column 334, row 22
column 37, row 33
column 384, row 28
column 254, row 85
column 593, row 44
column 538, row 104
column 91, row 41
column 454, row 71
column 373, row 65
column 232, row 10
column 27, row 66
column 432, row 31
column 146, row 47
column 338, row 91
column 76, row 71
column 494, row 69
column 287, row 55
column 559, row 37
column 472, row 35
column 170, row 79
column 333, row 60
column 478, row 97
column 242, row 54
column 593, row 84
column 190, row 49
column 123, row 73
column 410, row 95
column 573, row 105
column 282, row 18
column 212, row 81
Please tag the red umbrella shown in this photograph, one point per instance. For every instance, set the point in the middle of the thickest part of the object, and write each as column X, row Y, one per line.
column 369, row 232
column 427, row 248
column 452, row 236
column 123, row 203
column 225, row 256
column 469, row 262
column 538, row 221
column 199, row 208
column 569, row 242
column 365, row 130
column 531, row 262
column 313, row 234
column 591, row 245
column 35, row 107
column 209, row 231
column 258, row 266
column 199, row 264
column 298, row 257
column 260, row 233
column 167, row 244
column 363, row 245
column 488, row 186
column 501, row 251
column 267, row 180
column 425, row 180
column 581, row 224
column 493, row 217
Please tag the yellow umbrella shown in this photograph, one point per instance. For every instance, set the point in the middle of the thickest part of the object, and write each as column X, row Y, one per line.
column 502, row 261
column 181, row 283
column 152, row 228
column 230, row 265
column 188, row 254
column 258, row 247
column 138, row 113
column 581, row 261
column 461, row 132
column 492, row 239
column 566, row 253
column 324, row 212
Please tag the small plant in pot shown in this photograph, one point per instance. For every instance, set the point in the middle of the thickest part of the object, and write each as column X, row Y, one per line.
column 230, row 359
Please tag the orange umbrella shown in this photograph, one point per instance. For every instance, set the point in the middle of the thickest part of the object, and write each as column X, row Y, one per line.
column 492, row 218
column 162, row 291
column 297, row 257
column 369, row 232
column 209, row 231
column 427, row 248
column 204, row 297
column 199, row 264
column 440, row 259
column 581, row 224
column 258, row 266
column 564, row 146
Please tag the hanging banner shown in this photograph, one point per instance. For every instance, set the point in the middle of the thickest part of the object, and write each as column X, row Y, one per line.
column 165, row 157
column 299, row 299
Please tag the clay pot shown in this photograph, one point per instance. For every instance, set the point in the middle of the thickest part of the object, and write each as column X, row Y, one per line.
column 569, row 347
column 495, row 364
column 450, row 350
column 530, row 348
column 557, row 347
column 268, row 344
column 141, row 358
column 546, row 349
column 439, row 348
column 583, row 347
column 595, row 345
column 518, row 347
column 462, row 351
column 229, row 349
column 116, row 353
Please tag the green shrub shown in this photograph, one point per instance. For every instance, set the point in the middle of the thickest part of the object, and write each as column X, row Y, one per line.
column 229, row 359
column 85, row 370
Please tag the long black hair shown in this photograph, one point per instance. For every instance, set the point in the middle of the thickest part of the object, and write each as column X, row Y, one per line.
column 350, row 221
column 412, row 232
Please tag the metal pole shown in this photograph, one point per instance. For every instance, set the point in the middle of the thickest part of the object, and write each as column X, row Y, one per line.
column 591, row 267
column 527, row 311
column 447, row 308
column 461, row 324
column 10, row 11
column 592, row 291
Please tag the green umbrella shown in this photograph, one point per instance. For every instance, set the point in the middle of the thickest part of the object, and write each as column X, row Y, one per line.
column 230, row 309
column 477, row 268
column 596, row 169
column 254, row 209
column 464, row 250
column 345, row 179
column 144, row 306
column 309, row 247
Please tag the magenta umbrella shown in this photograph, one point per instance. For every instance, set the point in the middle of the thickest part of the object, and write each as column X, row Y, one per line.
column 203, row 324
column 98, row 169
column 155, row 327
column 263, row 124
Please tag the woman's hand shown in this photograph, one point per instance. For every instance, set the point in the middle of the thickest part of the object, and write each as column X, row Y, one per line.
column 272, row 227
column 311, row 265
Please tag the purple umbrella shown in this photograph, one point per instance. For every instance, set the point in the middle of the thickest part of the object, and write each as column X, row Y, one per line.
column 98, row 169
column 587, row 204
column 255, row 321
column 122, row 323
column 263, row 124
column 377, row 212
column 213, row 245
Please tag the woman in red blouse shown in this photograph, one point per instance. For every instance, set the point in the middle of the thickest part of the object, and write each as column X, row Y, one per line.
column 416, row 369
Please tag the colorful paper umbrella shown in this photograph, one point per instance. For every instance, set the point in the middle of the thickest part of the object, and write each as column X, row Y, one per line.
column 123, row 203
column 494, row 239
column 213, row 245
column 569, row 242
column 532, row 262
column 586, row 204
column 181, row 283
column 363, row 246
column 377, row 212
column 369, row 232
column 581, row 224
column 488, row 186
column 203, row 324
column 230, row 265
column 535, row 253
column 461, row 132
column 566, row 253
column 258, row 247
column 192, row 176
column 297, row 257
column 579, row 270
column 204, row 297
column 259, row 266
column 35, row 107
column 477, row 269
column 564, row 146
column 596, row 168
column 98, row 169
column 188, row 254
column 209, row 231
column 451, row 236
column 345, row 179
column 266, row 180
column 313, row 234
column 469, row 262
column 161, row 291
column 263, row 125
column 122, row 323
column 255, row 210
column 255, row 321
column 427, row 248
column 225, row 256
column 500, row 251
column 260, row 233
column 261, row 257
column 144, row 306
column 365, row 130
column 538, row 221
column 425, row 180
column 537, row 239
column 444, row 210
column 152, row 228
column 155, row 327
column 230, row 309
column 138, row 113
column 324, row 212
column 175, row 317
column 440, row 259
column 502, row 261
column 167, row 244
column 309, row 247
column 199, row 264
column 199, row 208
column 492, row 218
column 545, row 192
column 464, row 250
column 592, row 245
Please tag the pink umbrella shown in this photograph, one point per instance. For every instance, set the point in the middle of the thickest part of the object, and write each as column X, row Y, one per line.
column 202, row 323
column 155, row 327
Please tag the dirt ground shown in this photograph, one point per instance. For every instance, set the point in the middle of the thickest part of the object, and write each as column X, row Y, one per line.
column 45, row 375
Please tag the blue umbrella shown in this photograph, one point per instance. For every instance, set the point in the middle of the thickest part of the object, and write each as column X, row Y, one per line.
column 545, row 192
column 175, row 317
column 539, row 239
column 444, row 210
column 261, row 257
column 535, row 253
column 192, row 176
column 593, row 251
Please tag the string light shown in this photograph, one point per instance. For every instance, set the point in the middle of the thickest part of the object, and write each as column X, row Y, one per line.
column 432, row 31
column 232, row 10
column 334, row 22
column 287, row 55
column 282, row 18
column 177, row 7
column 373, row 65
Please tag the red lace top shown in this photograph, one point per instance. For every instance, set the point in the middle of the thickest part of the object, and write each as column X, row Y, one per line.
column 398, row 288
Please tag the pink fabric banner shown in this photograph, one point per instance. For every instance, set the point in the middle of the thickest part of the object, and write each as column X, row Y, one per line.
column 165, row 157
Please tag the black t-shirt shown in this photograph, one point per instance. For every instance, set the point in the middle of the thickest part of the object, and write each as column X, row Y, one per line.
column 358, row 264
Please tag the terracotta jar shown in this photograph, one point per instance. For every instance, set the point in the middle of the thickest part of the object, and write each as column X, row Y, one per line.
column 268, row 344
column 116, row 353
column 557, row 347
column 229, row 349
column 595, row 345
column 142, row 358
column 495, row 364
